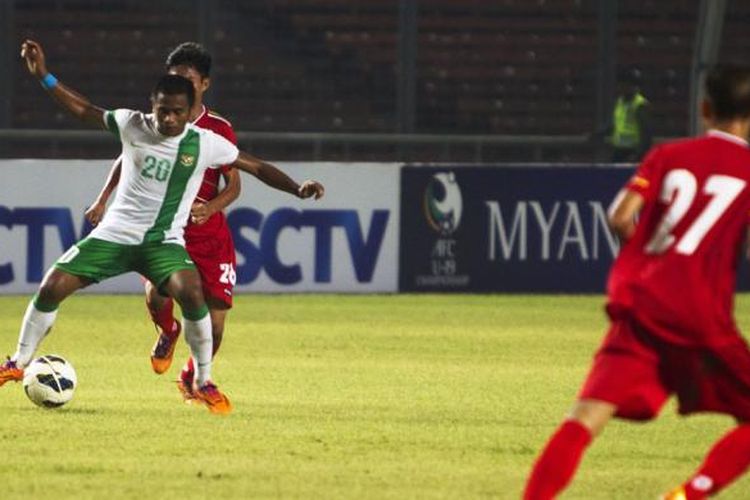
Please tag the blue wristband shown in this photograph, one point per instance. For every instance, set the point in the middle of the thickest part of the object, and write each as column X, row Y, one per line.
column 49, row 81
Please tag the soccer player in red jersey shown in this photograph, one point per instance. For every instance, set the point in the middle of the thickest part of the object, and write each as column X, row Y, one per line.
column 208, row 239
column 670, row 299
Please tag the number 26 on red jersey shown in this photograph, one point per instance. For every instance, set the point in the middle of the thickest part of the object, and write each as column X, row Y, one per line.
column 681, row 186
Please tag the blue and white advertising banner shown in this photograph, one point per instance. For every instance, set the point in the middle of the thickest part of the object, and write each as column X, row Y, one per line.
column 42, row 203
column 346, row 242
column 511, row 228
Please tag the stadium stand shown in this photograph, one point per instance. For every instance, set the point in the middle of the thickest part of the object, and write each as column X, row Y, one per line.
column 112, row 59
column 735, row 43
column 483, row 66
column 657, row 38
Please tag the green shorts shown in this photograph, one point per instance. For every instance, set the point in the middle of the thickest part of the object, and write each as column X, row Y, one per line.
column 98, row 260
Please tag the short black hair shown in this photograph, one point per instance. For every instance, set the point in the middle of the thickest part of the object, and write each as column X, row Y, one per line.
column 174, row 85
column 190, row 54
column 728, row 91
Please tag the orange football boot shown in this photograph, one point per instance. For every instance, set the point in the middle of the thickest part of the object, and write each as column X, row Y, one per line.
column 213, row 398
column 163, row 351
column 676, row 494
column 10, row 372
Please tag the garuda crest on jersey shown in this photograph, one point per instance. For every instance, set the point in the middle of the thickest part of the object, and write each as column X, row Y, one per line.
column 187, row 160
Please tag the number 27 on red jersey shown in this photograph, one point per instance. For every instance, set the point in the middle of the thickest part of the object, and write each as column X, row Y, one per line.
column 681, row 187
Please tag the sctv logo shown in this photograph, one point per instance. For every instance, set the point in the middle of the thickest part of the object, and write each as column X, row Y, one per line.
column 261, row 253
column 264, row 254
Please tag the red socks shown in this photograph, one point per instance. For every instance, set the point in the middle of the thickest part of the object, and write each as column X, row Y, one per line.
column 164, row 318
column 557, row 464
column 189, row 366
column 726, row 461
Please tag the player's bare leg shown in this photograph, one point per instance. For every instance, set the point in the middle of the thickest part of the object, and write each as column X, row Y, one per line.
column 558, row 462
column 218, row 311
column 185, row 287
column 728, row 459
column 38, row 320
column 593, row 414
column 161, row 309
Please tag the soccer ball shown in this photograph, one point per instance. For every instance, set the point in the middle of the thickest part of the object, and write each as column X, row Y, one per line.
column 49, row 381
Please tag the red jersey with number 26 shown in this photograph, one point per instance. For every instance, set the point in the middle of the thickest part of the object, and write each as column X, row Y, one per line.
column 217, row 223
column 676, row 275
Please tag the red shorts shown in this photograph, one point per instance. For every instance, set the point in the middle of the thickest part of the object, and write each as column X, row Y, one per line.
column 637, row 372
column 216, row 263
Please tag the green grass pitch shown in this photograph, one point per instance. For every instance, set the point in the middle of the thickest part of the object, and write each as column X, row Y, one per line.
column 348, row 397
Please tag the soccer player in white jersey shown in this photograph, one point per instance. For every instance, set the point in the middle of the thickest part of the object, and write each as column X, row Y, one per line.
column 208, row 238
column 164, row 158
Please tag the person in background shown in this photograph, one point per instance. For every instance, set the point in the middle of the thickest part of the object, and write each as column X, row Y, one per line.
column 630, row 133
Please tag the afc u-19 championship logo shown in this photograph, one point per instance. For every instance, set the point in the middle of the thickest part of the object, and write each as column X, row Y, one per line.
column 443, row 203
column 443, row 206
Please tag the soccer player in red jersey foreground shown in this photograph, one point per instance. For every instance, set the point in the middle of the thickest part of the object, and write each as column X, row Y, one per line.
column 670, row 299
column 208, row 239
column 164, row 159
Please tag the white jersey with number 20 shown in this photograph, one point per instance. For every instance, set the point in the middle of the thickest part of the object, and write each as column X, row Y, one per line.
column 160, row 178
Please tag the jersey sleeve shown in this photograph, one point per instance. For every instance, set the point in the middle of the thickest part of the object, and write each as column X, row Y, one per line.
column 645, row 179
column 227, row 132
column 116, row 120
column 223, row 152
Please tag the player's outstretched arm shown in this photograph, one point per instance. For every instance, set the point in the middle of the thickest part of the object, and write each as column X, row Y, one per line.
column 95, row 212
column 622, row 213
column 275, row 178
column 72, row 101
